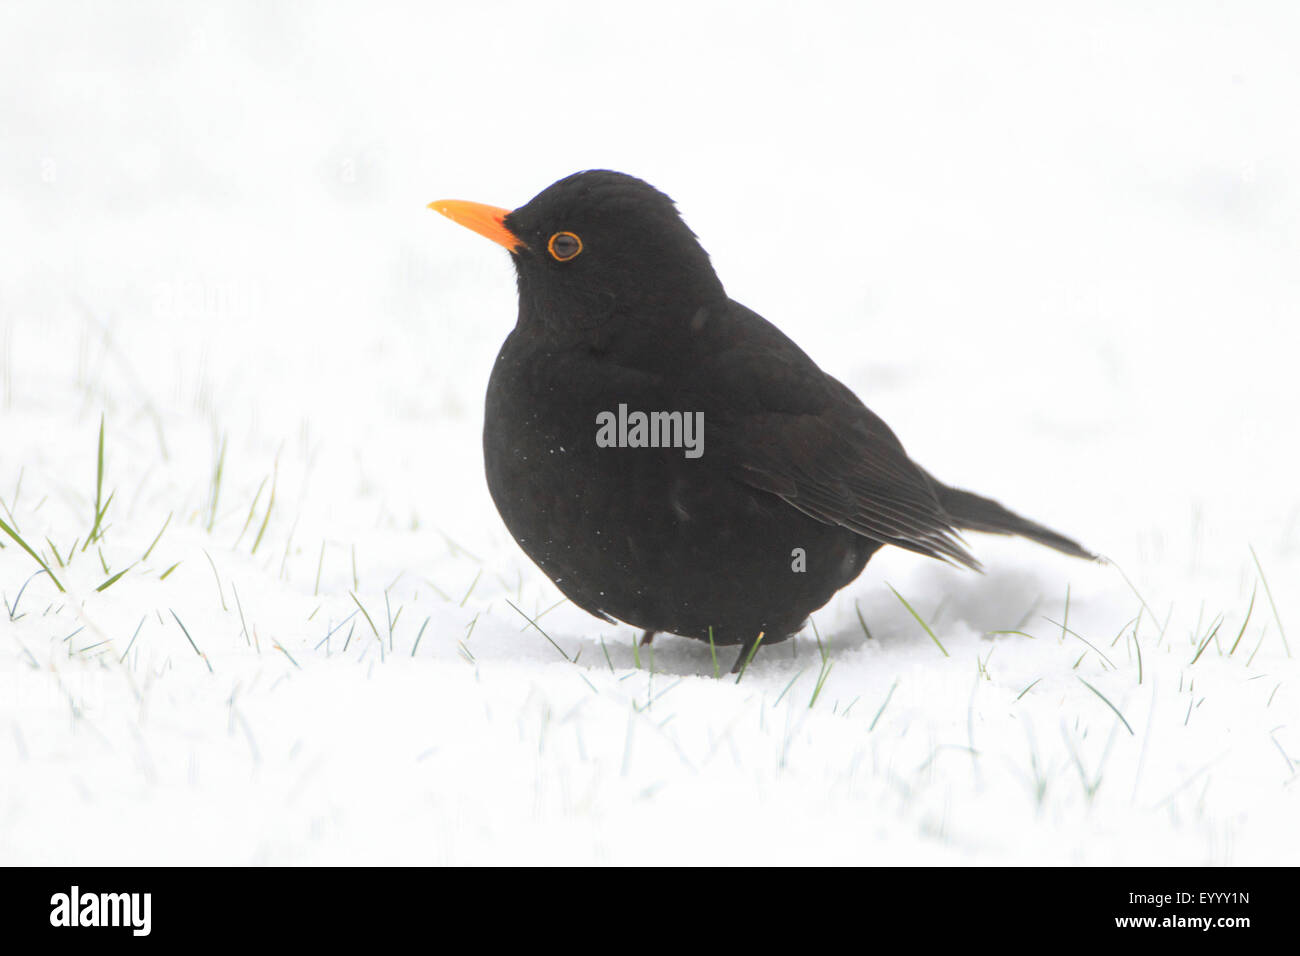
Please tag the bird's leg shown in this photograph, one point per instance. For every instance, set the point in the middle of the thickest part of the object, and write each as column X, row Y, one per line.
column 647, row 637
column 747, row 652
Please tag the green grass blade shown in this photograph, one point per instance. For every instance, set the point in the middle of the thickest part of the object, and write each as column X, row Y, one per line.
column 1273, row 604
column 919, row 620
column 541, row 632
column 749, row 657
column 367, row 616
column 270, row 505
column 36, row 557
column 1249, row 609
column 1108, row 704
column 216, row 484
column 114, row 579
column 99, row 488
column 157, row 537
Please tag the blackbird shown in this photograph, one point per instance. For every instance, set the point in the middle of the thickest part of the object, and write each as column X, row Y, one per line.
column 668, row 457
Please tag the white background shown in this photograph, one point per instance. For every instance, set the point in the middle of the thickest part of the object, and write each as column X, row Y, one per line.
column 1054, row 248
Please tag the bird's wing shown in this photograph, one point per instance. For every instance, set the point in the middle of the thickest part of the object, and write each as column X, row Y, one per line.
column 790, row 429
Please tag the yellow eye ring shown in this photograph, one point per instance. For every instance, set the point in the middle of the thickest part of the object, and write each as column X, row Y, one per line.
column 564, row 246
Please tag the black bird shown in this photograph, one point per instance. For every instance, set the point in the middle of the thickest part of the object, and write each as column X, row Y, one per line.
column 734, row 535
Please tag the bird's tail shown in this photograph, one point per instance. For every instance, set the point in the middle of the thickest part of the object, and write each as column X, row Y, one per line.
column 972, row 512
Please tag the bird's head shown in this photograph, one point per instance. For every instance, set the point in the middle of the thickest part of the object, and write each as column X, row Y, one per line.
column 595, row 249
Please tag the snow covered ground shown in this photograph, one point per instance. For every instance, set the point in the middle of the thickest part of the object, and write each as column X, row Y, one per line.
column 1057, row 251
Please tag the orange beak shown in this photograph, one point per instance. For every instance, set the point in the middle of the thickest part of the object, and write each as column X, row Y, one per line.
column 485, row 220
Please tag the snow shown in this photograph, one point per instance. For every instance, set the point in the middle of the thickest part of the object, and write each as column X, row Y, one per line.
column 1054, row 248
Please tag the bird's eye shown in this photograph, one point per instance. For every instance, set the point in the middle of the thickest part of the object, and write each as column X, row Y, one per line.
column 563, row 246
